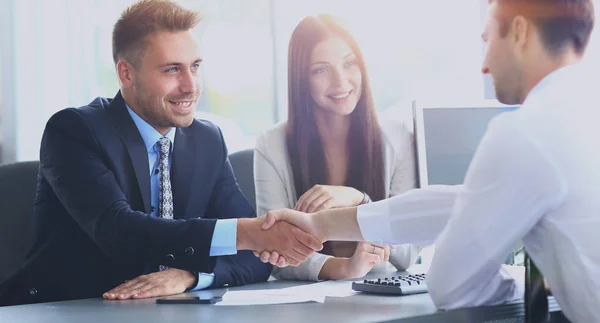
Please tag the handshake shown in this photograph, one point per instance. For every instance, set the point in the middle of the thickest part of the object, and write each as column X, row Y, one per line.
column 281, row 237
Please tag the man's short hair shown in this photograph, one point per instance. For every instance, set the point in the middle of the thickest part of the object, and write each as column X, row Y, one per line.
column 144, row 18
column 560, row 22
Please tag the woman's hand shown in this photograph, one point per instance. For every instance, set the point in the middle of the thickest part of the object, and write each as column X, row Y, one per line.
column 324, row 197
column 366, row 256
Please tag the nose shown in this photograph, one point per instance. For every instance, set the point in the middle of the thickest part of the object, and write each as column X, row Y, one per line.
column 485, row 70
column 189, row 82
column 339, row 78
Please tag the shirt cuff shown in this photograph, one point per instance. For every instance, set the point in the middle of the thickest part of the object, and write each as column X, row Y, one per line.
column 204, row 281
column 224, row 238
column 374, row 222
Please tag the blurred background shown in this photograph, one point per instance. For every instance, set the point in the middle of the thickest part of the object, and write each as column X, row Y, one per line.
column 57, row 53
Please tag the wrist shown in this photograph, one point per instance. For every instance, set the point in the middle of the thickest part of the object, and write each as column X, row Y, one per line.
column 335, row 268
column 192, row 280
column 365, row 198
column 358, row 198
column 246, row 232
column 320, row 225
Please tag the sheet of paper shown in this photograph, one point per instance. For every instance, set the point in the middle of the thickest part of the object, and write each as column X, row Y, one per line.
column 330, row 288
column 298, row 294
column 265, row 297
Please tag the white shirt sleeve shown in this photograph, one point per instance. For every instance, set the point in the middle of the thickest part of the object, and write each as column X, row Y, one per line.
column 403, row 178
column 416, row 217
column 509, row 186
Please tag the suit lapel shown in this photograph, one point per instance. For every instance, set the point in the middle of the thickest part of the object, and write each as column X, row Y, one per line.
column 183, row 171
column 134, row 143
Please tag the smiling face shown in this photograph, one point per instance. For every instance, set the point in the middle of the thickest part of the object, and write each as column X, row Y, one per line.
column 335, row 76
column 165, row 86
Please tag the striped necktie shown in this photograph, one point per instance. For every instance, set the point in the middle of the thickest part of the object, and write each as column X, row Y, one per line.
column 165, row 195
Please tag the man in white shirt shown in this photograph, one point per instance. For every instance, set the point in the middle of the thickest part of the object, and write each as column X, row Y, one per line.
column 534, row 176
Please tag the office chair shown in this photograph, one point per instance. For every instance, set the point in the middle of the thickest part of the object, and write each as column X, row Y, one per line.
column 18, row 183
column 242, row 163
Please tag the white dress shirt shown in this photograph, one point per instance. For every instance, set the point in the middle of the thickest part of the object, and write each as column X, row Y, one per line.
column 535, row 177
column 275, row 188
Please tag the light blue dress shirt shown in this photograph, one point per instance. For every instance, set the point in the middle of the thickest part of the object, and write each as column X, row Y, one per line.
column 225, row 233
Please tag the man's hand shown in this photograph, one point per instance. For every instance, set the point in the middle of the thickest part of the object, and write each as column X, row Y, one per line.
column 301, row 220
column 324, row 197
column 167, row 282
column 291, row 242
column 304, row 221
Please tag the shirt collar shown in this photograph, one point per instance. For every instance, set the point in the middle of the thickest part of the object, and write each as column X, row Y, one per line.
column 549, row 79
column 149, row 134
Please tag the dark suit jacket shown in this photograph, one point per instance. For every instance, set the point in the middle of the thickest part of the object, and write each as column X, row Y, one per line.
column 92, row 230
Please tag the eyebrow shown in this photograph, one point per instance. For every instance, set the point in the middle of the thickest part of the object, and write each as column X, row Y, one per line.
column 197, row 61
column 346, row 56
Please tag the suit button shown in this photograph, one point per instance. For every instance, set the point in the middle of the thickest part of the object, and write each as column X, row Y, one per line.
column 189, row 251
column 170, row 257
column 33, row 292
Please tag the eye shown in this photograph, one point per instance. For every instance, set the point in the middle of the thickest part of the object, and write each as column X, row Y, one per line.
column 320, row 70
column 350, row 63
column 173, row 70
column 195, row 67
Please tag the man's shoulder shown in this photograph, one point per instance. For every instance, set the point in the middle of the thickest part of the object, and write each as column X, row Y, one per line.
column 87, row 112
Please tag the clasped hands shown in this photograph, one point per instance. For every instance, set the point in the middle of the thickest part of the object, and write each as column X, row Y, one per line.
column 365, row 254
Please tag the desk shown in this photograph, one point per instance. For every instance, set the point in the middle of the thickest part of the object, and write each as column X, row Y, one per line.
column 357, row 308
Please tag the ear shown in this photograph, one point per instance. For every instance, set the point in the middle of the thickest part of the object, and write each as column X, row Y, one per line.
column 520, row 34
column 125, row 73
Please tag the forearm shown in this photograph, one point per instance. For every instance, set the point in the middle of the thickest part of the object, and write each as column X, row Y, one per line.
column 338, row 224
column 334, row 269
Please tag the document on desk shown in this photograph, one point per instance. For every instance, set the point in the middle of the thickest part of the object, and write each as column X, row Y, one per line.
column 330, row 288
column 298, row 294
column 265, row 297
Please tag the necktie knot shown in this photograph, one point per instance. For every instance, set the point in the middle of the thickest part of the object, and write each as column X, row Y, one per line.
column 164, row 145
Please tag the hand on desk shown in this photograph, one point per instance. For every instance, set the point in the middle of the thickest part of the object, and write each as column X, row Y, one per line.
column 366, row 256
column 167, row 282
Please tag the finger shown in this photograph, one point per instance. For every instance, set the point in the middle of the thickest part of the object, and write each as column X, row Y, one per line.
column 264, row 256
column 256, row 253
column 126, row 284
column 309, row 197
column 379, row 251
column 274, row 257
column 386, row 255
column 115, row 292
column 292, row 262
column 282, row 262
column 318, row 202
column 271, row 217
column 127, row 294
column 308, row 244
column 294, row 258
column 303, row 198
column 372, row 258
column 129, row 291
column 152, row 291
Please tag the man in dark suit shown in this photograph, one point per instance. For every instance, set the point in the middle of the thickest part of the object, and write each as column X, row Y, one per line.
column 135, row 197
